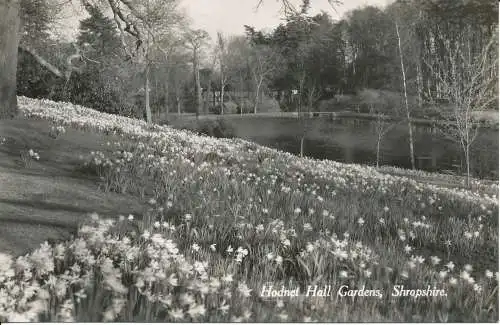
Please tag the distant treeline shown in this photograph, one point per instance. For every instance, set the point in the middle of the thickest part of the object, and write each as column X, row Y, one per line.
column 306, row 63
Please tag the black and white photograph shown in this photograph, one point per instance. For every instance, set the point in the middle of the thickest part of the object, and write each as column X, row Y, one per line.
column 257, row 161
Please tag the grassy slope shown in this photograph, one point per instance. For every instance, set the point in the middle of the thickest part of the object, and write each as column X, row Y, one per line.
column 351, row 202
column 49, row 198
column 482, row 186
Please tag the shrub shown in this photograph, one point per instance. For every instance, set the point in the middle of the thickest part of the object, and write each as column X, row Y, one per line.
column 230, row 107
column 269, row 105
column 215, row 128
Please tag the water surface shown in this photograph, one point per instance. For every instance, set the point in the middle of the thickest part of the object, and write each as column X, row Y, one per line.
column 354, row 141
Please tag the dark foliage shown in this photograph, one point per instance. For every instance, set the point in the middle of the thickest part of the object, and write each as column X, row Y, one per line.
column 215, row 128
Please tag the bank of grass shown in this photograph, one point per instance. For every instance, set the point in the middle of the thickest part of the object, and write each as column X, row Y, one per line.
column 44, row 199
column 227, row 217
column 483, row 187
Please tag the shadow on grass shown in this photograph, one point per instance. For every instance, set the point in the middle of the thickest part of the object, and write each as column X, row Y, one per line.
column 38, row 204
column 49, row 198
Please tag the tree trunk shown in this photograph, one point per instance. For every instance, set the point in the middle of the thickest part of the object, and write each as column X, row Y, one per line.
column 9, row 41
column 213, row 98
column 146, row 90
column 199, row 99
column 378, row 151
column 178, row 99
column 302, row 146
column 209, row 91
column 222, row 97
column 240, row 95
column 257, row 92
column 167, row 96
column 410, row 127
column 221, row 86
column 420, row 85
column 467, row 162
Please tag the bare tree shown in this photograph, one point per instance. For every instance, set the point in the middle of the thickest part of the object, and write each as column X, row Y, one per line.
column 264, row 60
column 237, row 68
column 196, row 39
column 313, row 94
column 468, row 80
column 210, row 74
column 167, row 50
column 384, row 116
column 383, row 125
column 289, row 9
column 180, row 77
column 407, row 108
column 221, row 56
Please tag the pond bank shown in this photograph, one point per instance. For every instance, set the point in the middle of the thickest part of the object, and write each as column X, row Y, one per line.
column 488, row 118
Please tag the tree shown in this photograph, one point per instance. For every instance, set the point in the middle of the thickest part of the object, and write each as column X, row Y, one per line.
column 368, row 33
column 290, row 9
column 9, row 34
column 238, row 71
column 383, row 125
column 407, row 108
column 143, row 26
column 37, row 19
column 468, row 80
column 221, row 54
column 98, row 36
column 313, row 94
column 32, row 79
column 103, row 82
column 169, row 49
column 206, row 77
column 180, row 76
column 24, row 25
column 264, row 60
column 196, row 39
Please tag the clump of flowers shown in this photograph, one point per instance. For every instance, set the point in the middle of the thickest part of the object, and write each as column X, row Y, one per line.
column 34, row 154
column 56, row 131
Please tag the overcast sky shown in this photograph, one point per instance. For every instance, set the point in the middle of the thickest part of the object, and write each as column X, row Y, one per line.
column 229, row 16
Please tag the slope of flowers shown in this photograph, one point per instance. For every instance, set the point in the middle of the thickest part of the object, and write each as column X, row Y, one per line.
column 228, row 217
column 88, row 119
column 483, row 186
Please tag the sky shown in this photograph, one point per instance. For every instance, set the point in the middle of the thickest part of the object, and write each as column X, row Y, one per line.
column 229, row 16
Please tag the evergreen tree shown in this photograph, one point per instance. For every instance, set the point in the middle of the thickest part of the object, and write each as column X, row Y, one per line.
column 98, row 85
column 98, row 36
column 34, row 80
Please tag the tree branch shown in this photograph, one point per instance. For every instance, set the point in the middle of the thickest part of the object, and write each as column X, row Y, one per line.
column 42, row 61
column 53, row 69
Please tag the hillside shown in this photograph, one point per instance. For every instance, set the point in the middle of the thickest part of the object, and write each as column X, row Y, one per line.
column 48, row 198
column 218, row 219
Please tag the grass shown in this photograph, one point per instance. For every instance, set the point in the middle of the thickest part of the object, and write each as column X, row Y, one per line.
column 482, row 187
column 226, row 217
column 48, row 198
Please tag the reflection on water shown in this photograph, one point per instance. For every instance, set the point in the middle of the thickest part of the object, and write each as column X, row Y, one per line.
column 351, row 140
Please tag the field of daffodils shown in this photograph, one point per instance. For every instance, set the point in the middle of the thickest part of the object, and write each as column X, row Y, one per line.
column 226, row 218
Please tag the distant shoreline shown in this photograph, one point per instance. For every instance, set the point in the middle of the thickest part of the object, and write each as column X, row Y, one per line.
column 489, row 119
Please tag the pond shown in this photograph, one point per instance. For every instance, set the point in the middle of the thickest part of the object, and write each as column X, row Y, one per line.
column 354, row 140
